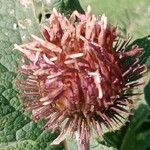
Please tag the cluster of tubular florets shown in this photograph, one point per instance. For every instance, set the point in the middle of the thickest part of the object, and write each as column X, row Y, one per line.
column 78, row 77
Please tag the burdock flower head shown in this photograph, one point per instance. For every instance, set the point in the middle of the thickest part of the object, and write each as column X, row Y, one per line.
column 79, row 76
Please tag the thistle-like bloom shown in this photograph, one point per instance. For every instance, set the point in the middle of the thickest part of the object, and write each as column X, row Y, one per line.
column 79, row 76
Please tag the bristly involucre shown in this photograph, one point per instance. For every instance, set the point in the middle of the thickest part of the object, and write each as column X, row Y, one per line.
column 79, row 75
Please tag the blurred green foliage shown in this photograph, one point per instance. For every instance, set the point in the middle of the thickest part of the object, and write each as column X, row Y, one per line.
column 131, row 16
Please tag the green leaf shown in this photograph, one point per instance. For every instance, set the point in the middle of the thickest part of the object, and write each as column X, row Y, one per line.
column 147, row 93
column 138, row 133
column 114, row 139
column 21, row 145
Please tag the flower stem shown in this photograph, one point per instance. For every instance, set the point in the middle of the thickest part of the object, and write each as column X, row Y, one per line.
column 82, row 145
column 65, row 145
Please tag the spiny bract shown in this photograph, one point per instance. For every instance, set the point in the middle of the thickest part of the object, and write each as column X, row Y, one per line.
column 79, row 75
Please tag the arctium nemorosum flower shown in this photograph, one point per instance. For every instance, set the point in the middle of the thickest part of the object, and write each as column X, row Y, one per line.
column 80, row 75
